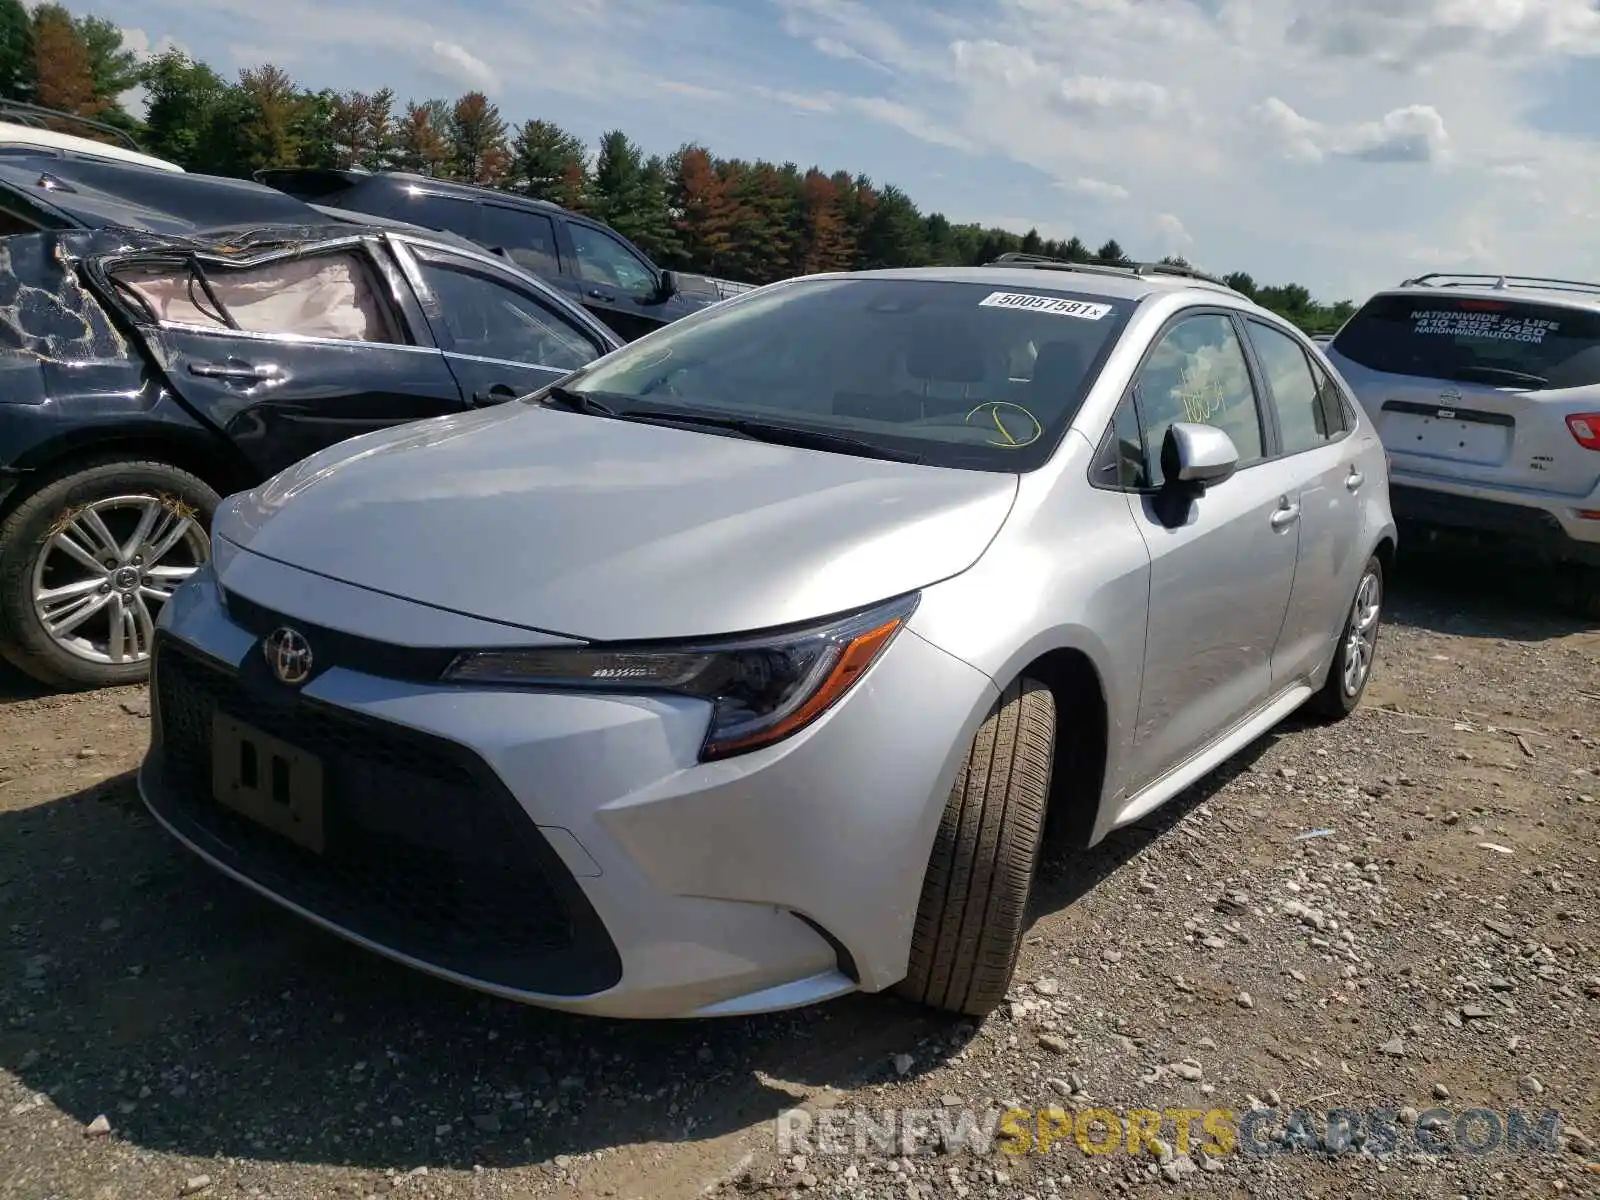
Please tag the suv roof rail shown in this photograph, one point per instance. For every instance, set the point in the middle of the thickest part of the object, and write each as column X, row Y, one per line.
column 1016, row 258
column 1499, row 282
column 39, row 117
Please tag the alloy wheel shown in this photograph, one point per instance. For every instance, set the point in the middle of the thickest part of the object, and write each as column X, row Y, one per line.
column 1362, row 640
column 101, row 577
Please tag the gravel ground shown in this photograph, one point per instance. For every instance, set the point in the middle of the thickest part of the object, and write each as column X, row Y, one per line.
column 1432, row 950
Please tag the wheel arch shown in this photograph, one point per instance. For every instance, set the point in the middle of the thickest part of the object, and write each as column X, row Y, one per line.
column 219, row 465
column 1083, row 742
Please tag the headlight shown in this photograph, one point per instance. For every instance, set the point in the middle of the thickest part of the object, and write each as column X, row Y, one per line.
column 761, row 689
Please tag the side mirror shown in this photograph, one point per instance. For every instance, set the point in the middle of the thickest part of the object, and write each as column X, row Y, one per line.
column 669, row 286
column 1198, row 456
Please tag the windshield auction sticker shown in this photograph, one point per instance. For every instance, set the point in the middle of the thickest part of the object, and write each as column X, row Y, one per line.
column 1491, row 326
column 1055, row 306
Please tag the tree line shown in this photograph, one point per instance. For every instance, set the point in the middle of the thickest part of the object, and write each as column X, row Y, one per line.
column 754, row 221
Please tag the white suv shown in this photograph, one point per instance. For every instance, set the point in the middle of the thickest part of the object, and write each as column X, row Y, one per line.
column 1486, row 392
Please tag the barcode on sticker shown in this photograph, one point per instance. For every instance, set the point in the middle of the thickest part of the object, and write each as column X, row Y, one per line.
column 1055, row 306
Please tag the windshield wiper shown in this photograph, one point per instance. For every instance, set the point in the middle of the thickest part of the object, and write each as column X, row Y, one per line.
column 1493, row 374
column 579, row 402
column 778, row 434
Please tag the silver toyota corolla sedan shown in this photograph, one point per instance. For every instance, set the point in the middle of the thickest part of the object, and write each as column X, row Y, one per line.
column 742, row 669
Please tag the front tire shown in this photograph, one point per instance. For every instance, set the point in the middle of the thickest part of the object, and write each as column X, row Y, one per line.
column 1358, row 647
column 975, row 894
column 87, row 561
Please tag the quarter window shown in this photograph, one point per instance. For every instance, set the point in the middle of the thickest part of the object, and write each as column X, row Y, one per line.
column 486, row 318
column 1197, row 373
column 602, row 259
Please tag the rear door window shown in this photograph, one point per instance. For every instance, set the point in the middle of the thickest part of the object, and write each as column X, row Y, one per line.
column 1469, row 339
column 1309, row 413
column 528, row 238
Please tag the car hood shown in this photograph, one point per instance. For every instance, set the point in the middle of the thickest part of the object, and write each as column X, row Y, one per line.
column 611, row 530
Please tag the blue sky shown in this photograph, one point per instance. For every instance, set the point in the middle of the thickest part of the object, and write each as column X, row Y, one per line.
column 1342, row 145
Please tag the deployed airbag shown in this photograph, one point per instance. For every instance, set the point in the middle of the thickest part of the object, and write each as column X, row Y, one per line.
column 328, row 296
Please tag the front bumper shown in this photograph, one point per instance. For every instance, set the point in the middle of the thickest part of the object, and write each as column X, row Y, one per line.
column 569, row 850
column 1526, row 527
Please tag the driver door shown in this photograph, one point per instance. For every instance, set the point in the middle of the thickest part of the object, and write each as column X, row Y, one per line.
column 500, row 338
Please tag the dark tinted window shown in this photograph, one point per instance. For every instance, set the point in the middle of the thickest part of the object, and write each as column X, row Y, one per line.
column 926, row 366
column 420, row 208
column 489, row 319
column 529, row 239
column 1197, row 373
column 1304, row 415
column 1471, row 340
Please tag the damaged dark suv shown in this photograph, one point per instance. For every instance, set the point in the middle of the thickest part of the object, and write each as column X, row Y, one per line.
column 145, row 375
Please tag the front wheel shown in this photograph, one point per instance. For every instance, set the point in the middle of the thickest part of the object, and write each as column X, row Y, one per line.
column 87, row 561
column 975, row 893
column 1358, row 646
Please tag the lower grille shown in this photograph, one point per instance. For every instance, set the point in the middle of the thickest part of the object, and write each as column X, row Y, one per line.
column 425, row 852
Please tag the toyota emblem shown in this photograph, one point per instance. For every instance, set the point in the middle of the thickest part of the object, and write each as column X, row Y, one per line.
column 289, row 655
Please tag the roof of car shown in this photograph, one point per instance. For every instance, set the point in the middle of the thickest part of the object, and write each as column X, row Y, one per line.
column 1570, row 293
column 99, row 192
column 1116, row 285
column 448, row 187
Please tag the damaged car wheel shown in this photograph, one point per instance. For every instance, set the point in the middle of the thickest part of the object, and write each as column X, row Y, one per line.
column 86, row 562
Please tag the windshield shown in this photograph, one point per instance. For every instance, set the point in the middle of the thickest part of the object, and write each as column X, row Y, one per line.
column 1505, row 343
column 956, row 374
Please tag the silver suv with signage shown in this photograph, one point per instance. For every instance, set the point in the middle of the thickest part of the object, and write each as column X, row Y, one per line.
column 1486, row 392
column 740, row 668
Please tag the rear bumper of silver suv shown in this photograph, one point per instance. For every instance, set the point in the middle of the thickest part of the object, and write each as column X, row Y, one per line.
column 1527, row 530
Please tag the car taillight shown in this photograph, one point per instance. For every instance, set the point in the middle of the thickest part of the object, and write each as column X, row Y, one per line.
column 1586, row 428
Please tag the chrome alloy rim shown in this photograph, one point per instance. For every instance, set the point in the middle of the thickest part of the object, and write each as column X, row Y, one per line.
column 107, row 568
column 1362, row 640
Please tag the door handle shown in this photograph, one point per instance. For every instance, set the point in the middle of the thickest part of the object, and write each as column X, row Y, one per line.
column 602, row 294
column 1354, row 480
column 1286, row 515
column 498, row 394
column 236, row 371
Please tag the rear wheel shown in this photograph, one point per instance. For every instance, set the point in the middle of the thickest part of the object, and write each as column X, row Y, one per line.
column 975, row 894
column 1358, row 645
column 86, row 563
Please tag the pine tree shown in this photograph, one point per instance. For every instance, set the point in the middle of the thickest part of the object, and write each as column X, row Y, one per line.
column 894, row 236
column 1111, row 254
column 478, row 149
column 350, row 128
column 420, row 141
column 273, row 110
column 827, row 239
column 618, row 175
column 705, row 211
column 548, row 163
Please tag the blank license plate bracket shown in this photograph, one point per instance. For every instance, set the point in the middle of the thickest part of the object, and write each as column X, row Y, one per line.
column 269, row 781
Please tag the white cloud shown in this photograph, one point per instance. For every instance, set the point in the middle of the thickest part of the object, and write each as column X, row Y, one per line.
column 1414, row 134
column 457, row 61
column 1172, row 235
column 1096, row 189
